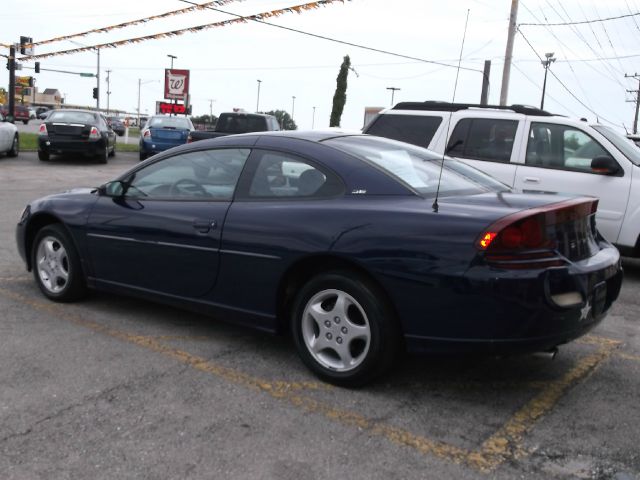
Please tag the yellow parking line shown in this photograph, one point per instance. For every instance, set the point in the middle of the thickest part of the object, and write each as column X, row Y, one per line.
column 504, row 444
column 15, row 279
column 628, row 356
column 507, row 441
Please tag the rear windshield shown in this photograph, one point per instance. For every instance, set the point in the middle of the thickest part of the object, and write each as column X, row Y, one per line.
column 414, row 129
column 417, row 167
column 72, row 117
column 169, row 122
column 241, row 124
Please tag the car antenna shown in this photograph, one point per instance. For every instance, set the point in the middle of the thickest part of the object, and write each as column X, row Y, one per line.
column 455, row 86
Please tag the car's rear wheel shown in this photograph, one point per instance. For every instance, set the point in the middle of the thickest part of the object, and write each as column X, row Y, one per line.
column 343, row 329
column 26, row 122
column 15, row 147
column 43, row 156
column 56, row 265
column 103, row 156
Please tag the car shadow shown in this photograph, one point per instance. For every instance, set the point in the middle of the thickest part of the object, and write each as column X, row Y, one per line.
column 631, row 267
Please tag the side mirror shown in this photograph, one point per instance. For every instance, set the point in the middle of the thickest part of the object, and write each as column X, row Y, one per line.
column 605, row 165
column 112, row 189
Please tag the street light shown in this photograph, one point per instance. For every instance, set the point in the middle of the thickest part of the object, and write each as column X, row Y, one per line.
column 172, row 57
column 258, row 101
column 393, row 91
column 140, row 83
column 97, row 72
column 546, row 63
column 313, row 119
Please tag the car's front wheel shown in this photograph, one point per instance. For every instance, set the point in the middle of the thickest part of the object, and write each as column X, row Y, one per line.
column 15, row 147
column 56, row 265
column 43, row 156
column 343, row 329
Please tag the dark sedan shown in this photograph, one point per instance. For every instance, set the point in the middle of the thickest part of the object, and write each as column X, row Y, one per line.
column 162, row 132
column 76, row 132
column 117, row 125
column 339, row 239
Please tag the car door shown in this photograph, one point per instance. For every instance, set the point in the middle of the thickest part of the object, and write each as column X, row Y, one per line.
column 488, row 144
column 159, row 229
column 558, row 160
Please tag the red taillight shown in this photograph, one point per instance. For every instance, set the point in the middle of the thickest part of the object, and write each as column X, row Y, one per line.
column 520, row 240
column 42, row 130
column 94, row 134
column 147, row 134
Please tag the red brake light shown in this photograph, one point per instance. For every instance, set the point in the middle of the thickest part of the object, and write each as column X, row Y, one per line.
column 94, row 133
column 521, row 238
column 147, row 133
column 42, row 130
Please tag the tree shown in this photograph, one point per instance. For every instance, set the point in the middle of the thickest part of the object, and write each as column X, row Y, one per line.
column 207, row 121
column 340, row 97
column 284, row 119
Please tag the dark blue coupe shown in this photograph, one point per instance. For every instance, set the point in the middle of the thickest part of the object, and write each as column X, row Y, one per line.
column 338, row 239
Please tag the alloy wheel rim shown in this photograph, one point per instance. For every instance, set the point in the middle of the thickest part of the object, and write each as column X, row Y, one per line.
column 336, row 330
column 52, row 263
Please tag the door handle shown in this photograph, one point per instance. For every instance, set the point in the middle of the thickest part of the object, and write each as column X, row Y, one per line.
column 205, row 227
column 531, row 180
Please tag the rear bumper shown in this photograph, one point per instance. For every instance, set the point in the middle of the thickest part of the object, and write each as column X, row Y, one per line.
column 154, row 146
column 517, row 311
column 62, row 146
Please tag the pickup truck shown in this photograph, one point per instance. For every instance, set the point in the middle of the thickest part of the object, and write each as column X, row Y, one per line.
column 532, row 150
column 237, row 122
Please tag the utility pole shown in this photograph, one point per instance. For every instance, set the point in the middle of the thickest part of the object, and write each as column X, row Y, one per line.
column 211, row 100
column 637, row 100
column 508, row 54
column 258, row 101
column 12, row 83
column 293, row 105
column 484, row 95
column 393, row 92
column 108, row 89
column 313, row 119
column 98, row 81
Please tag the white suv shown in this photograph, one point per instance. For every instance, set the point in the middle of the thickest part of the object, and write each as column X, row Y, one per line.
column 532, row 151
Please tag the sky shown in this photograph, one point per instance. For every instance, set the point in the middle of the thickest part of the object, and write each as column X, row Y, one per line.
column 587, row 79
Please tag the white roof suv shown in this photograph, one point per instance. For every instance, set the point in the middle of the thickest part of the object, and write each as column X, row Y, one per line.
column 532, row 150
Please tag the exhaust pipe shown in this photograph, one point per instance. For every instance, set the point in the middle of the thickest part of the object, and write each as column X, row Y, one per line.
column 550, row 354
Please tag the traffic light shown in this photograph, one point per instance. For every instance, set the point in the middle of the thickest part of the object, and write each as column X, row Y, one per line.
column 95, row 92
column 37, row 67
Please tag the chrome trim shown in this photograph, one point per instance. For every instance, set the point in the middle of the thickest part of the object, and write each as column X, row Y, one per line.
column 151, row 242
column 250, row 254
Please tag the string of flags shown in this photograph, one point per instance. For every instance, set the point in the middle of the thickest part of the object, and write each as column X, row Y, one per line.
column 243, row 19
column 130, row 23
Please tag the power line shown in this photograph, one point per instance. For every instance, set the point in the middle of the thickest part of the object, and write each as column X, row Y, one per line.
column 567, row 88
column 322, row 37
column 582, row 22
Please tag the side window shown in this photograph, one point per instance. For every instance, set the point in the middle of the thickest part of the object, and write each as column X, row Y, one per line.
column 483, row 139
column 562, row 147
column 206, row 174
column 280, row 175
column 415, row 129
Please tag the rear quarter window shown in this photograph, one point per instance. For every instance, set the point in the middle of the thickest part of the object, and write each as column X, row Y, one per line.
column 415, row 129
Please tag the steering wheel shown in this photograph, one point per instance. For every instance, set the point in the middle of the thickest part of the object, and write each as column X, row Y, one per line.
column 187, row 186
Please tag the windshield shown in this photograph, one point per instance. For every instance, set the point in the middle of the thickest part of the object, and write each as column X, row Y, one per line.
column 417, row 167
column 626, row 146
column 169, row 122
column 72, row 117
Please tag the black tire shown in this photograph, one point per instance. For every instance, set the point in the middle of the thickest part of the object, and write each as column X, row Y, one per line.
column 43, row 156
column 103, row 156
column 143, row 156
column 26, row 122
column 365, row 331
column 15, row 147
column 60, row 278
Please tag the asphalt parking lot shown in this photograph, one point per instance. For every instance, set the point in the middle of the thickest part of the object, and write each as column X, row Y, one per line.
column 113, row 387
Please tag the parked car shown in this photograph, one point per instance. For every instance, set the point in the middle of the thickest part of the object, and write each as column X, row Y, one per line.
column 162, row 132
column 43, row 112
column 21, row 113
column 116, row 125
column 338, row 238
column 532, row 150
column 232, row 123
column 32, row 114
column 9, row 138
column 76, row 131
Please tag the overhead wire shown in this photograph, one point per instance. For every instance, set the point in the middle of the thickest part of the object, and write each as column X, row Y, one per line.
column 581, row 22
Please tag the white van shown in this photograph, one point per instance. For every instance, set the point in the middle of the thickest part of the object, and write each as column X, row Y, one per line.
column 532, row 150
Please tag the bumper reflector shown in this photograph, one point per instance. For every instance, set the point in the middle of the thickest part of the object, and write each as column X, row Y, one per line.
column 568, row 299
